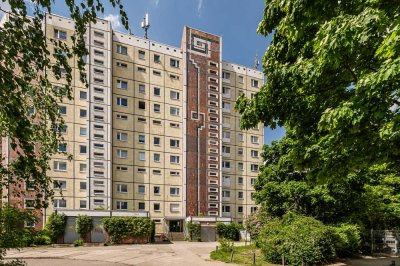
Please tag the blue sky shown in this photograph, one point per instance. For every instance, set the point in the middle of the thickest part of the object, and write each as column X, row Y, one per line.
column 235, row 20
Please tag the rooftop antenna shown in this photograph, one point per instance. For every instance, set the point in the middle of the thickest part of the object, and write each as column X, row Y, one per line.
column 146, row 25
column 256, row 61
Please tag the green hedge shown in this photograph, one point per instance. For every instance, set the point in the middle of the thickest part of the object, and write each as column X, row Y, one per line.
column 305, row 240
column 55, row 225
column 302, row 240
column 229, row 231
column 120, row 228
column 83, row 225
column 194, row 231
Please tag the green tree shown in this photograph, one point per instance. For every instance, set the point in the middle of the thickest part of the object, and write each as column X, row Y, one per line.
column 29, row 111
column 83, row 225
column 333, row 81
column 333, row 78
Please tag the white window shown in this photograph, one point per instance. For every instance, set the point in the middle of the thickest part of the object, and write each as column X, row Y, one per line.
column 240, row 151
column 254, row 83
column 226, row 193
column 174, row 173
column 174, row 159
column 174, row 111
column 98, row 53
column 121, row 136
column 141, row 206
column 82, row 167
column 122, row 49
column 156, row 207
column 254, row 167
column 174, row 143
column 142, row 139
column 82, row 149
column 60, row 203
column 98, row 62
column 156, row 141
column 82, row 204
column 226, row 106
column 174, row 191
column 142, row 156
column 174, row 95
column 174, row 63
column 174, row 125
column 29, row 203
column 156, row 73
column 142, row 88
column 174, row 207
column 157, row 108
column 226, row 92
column 142, row 105
column 226, row 208
column 226, row 149
column 226, row 135
column 226, row 75
column 121, row 84
column 174, row 77
column 123, row 65
column 240, row 137
column 59, row 34
column 142, row 55
column 60, row 184
column 156, row 91
column 98, row 202
column 240, row 166
column 60, row 166
column 122, row 117
column 254, row 153
column 141, row 69
column 122, row 101
column 122, row 168
column 122, row 153
column 141, row 189
column 157, row 157
column 254, row 139
column 241, row 79
column 226, row 164
column 157, row 58
column 122, row 205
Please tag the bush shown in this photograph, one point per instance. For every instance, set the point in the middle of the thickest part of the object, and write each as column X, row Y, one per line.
column 55, row 225
column 194, row 230
column 41, row 238
column 120, row 228
column 83, row 225
column 302, row 240
column 225, row 244
column 229, row 231
column 348, row 239
column 78, row 243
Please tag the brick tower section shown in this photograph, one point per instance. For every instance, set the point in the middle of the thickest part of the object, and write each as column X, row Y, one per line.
column 202, row 54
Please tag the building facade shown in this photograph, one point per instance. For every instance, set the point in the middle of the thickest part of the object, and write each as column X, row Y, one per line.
column 155, row 133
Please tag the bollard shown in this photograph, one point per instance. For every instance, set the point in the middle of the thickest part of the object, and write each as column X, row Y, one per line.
column 216, row 248
column 283, row 260
column 254, row 258
column 231, row 255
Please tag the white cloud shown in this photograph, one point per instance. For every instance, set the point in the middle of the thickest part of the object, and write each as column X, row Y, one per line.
column 115, row 21
column 199, row 7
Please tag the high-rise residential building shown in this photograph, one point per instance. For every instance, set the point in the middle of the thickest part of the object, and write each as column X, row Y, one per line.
column 155, row 133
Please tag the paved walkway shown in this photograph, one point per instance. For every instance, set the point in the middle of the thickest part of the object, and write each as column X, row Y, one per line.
column 178, row 254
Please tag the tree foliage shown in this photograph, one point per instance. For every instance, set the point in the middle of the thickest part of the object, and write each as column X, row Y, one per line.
column 55, row 225
column 29, row 60
column 30, row 122
column 83, row 225
column 333, row 79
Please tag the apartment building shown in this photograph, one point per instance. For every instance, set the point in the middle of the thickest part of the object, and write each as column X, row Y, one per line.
column 155, row 133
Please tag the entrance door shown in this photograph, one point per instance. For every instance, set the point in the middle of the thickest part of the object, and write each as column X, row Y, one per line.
column 175, row 226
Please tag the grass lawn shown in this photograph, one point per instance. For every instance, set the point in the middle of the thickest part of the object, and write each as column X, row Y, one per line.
column 242, row 255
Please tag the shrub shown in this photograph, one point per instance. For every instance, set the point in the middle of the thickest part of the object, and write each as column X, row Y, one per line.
column 41, row 238
column 194, row 230
column 83, row 225
column 120, row 228
column 55, row 225
column 302, row 240
column 225, row 244
column 78, row 243
column 229, row 231
column 348, row 239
